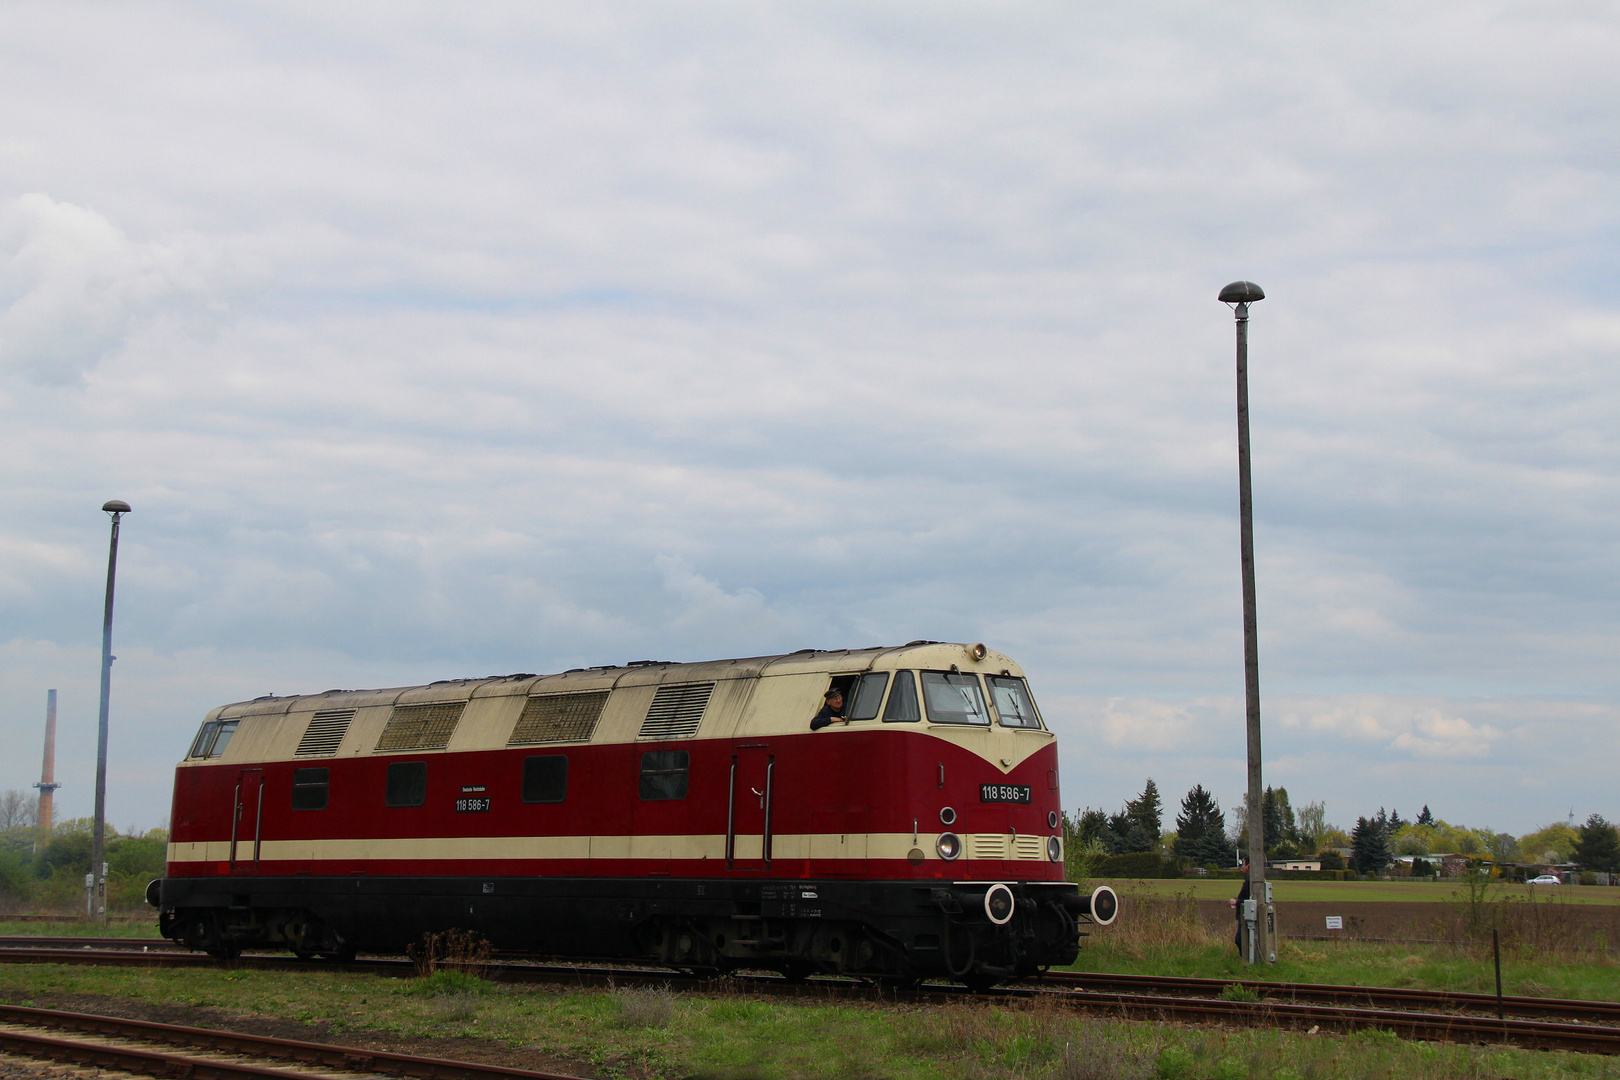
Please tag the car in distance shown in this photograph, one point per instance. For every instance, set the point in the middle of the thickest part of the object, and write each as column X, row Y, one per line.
column 1545, row 879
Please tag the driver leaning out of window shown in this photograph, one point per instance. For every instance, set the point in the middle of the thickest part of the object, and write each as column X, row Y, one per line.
column 832, row 710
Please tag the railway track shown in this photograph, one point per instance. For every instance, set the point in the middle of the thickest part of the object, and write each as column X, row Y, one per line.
column 170, row 1050
column 1531, row 1023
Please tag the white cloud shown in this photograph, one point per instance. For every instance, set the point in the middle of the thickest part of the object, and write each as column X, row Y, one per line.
column 73, row 287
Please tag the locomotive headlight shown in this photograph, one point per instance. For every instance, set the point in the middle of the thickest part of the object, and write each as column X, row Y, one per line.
column 949, row 846
column 1051, row 819
column 1054, row 849
column 947, row 815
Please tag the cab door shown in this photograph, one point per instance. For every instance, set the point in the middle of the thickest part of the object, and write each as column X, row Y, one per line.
column 748, row 818
column 247, row 820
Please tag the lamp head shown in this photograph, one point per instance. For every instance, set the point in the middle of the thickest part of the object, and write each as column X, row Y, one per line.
column 1242, row 292
column 116, row 506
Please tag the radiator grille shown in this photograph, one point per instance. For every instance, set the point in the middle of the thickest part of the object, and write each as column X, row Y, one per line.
column 676, row 711
column 558, row 718
column 325, row 732
column 1029, row 847
column 987, row 846
column 421, row 727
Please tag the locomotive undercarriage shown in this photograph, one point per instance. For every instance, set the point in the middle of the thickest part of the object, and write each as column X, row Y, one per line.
column 897, row 932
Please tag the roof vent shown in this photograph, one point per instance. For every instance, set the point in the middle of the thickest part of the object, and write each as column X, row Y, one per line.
column 676, row 711
column 326, row 730
column 559, row 718
column 421, row 727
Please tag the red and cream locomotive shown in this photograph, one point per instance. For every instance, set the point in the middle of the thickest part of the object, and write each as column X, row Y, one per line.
column 678, row 813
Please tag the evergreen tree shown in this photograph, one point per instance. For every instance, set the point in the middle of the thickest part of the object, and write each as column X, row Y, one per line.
column 1282, row 836
column 1369, row 846
column 1201, row 829
column 1598, row 846
column 1146, row 809
column 1424, row 817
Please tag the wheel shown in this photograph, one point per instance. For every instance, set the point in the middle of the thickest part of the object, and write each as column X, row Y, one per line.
column 978, row 984
column 224, row 951
column 795, row 971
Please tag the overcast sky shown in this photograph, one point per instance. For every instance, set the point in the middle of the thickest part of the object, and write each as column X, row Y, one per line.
column 439, row 340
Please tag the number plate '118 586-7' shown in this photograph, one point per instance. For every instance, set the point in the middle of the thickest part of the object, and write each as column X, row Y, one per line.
column 1004, row 793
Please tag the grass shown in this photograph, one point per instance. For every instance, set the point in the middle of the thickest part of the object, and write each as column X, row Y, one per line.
column 142, row 927
column 1351, row 891
column 1163, row 935
column 655, row 1034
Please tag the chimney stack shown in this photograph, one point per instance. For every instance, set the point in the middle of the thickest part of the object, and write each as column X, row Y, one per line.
column 47, row 775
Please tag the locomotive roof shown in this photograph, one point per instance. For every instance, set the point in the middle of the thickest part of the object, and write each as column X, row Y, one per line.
column 915, row 654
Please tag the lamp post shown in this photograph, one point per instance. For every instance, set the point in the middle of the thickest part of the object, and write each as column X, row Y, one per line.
column 98, row 870
column 1240, row 294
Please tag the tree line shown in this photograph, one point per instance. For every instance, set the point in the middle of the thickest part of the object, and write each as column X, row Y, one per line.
column 49, row 875
column 1203, row 835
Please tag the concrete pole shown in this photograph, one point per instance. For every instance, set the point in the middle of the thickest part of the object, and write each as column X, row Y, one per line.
column 1241, row 294
column 98, row 850
column 1251, row 645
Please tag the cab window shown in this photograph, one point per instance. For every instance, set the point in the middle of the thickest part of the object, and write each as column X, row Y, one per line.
column 868, row 695
column 902, row 700
column 213, row 738
column 1010, row 696
column 954, row 697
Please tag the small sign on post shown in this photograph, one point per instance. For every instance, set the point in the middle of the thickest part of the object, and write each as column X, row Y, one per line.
column 1335, row 923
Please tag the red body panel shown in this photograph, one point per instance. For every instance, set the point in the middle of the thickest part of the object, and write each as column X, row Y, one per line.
column 881, row 780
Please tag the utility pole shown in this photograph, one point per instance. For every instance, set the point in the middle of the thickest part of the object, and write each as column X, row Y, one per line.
column 47, row 777
column 98, row 849
column 1258, row 916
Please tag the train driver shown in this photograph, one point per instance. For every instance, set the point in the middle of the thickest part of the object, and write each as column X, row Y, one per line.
column 833, row 709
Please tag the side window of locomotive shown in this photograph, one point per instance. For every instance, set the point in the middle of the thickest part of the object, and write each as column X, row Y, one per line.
column 227, row 728
column 1013, row 704
column 545, row 779
column 204, row 739
column 663, row 774
column 868, row 695
column 309, row 789
column 407, row 784
column 213, row 738
column 902, row 700
column 954, row 697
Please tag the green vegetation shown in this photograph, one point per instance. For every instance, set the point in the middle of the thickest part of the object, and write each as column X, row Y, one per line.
column 1421, row 889
column 657, row 1034
column 1160, row 934
column 51, row 879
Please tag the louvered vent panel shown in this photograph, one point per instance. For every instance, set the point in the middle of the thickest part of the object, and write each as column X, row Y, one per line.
column 1029, row 847
column 325, row 732
column 558, row 718
column 676, row 711
column 987, row 846
column 421, row 727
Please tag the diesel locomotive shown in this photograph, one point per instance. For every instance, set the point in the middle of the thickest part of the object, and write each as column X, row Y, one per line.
column 678, row 813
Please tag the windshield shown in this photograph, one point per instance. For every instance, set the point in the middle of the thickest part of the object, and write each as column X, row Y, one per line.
column 954, row 697
column 1012, row 701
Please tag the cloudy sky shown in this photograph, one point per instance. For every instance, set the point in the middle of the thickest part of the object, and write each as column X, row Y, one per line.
column 438, row 340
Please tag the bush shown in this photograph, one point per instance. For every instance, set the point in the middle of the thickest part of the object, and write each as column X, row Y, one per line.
column 1138, row 864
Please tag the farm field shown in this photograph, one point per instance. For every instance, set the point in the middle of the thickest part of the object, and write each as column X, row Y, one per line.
column 1345, row 891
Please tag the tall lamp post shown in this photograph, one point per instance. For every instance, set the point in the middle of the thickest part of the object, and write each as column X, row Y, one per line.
column 98, row 870
column 1258, row 917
